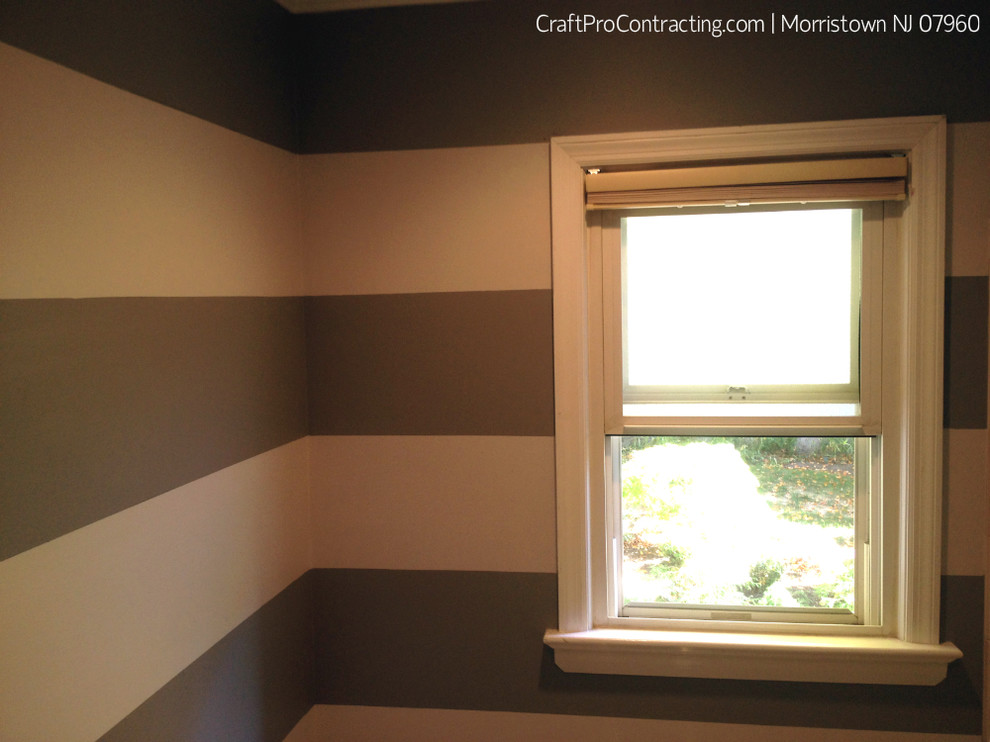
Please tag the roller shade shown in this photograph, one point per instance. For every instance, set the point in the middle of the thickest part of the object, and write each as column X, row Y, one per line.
column 860, row 179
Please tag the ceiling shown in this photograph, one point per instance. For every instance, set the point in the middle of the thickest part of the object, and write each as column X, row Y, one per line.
column 320, row 6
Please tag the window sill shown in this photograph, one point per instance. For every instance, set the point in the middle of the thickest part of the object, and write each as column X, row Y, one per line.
column 695, row 654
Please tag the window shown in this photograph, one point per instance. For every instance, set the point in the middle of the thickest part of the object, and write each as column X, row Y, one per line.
column 743, row 532
column 723, row 312
column 737, row 304
column 648, row 409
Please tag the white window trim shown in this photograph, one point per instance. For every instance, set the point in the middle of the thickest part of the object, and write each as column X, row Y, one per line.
column 912, row 654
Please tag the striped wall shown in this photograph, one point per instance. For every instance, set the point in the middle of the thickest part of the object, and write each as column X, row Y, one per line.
column 278, row 428
column 411, row 616
column 227, row 61
column 153, row 414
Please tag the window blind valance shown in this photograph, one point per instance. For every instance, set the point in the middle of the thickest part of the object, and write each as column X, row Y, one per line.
column 860, row 179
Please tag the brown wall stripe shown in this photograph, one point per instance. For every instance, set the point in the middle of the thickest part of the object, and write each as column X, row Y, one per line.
column 473, row 640
column 109, row 402
column 966, row 328
column 253, row 685
column 472, row 363
column 361, row 74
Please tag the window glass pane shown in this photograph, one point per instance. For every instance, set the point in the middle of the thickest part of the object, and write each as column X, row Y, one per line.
column 740, row 298
column 739, row 521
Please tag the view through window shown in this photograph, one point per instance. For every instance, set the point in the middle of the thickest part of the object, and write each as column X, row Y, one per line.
column 758, row 523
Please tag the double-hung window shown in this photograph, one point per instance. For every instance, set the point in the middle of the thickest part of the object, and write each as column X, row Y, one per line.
column 740, row 429
column 747, row 360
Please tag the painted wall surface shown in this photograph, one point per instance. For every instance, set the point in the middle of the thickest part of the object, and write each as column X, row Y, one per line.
column 367, row 724
column 280, row 425
column 483, row 73
column 154, row 414
column 226, row 61
column 493, row 206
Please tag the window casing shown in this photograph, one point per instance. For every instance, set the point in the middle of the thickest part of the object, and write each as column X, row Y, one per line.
column 902, row 413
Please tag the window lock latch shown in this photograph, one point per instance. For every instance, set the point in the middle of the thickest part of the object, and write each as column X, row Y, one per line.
column 738, row 392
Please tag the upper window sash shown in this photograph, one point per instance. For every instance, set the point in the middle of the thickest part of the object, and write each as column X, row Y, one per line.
column 847, row 408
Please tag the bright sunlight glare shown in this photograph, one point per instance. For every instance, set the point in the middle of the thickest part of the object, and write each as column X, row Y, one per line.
column 754, row 298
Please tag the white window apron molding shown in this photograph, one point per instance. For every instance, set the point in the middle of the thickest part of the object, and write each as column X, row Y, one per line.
column 909, row 651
